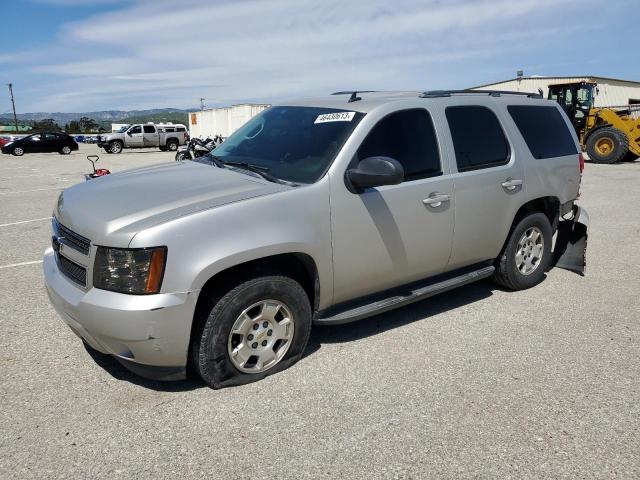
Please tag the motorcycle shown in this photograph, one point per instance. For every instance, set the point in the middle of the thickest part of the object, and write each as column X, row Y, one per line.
column 97, row 172
column 197, row 148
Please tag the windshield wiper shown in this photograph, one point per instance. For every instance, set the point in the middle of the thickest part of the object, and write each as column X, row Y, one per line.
column 217, row 161
column 262, row 171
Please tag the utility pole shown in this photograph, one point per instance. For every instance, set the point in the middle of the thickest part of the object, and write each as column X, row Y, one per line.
column 13, row 103
column 202, row 104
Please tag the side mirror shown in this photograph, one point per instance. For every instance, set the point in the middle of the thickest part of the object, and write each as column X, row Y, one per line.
column 374, row 172
column 129, row 132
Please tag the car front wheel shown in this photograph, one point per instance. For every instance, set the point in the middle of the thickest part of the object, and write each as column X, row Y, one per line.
column 258, row 328
column 18, row 151
column 115, row 147
column 66, row 150
column 527, row 254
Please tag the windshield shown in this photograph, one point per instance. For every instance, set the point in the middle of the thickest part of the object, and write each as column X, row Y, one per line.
column 295, row 144
column 123, row 129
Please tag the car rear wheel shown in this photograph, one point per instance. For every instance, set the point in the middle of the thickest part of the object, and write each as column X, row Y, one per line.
column 66, row 150
column 172, row 145
column 18, row 151
column 526, row 255
column 115, row 146
column 260, row 327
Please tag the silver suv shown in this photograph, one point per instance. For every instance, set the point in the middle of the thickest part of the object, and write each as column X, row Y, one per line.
column 321, row 211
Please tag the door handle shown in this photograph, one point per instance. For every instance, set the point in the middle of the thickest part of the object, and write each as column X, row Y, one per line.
column 436, row 199
column 511, row 184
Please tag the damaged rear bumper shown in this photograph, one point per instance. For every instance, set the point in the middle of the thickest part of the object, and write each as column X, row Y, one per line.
column 570, row 251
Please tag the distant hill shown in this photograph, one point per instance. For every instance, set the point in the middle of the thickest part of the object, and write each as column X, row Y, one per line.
column 105, row 117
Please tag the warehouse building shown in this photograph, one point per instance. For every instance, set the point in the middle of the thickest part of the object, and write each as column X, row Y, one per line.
column 222, row 121
column 610, row 91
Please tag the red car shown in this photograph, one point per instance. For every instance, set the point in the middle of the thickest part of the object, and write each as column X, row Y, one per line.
column 4, row 141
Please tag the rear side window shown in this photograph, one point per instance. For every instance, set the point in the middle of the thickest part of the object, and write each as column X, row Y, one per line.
column 180, row 129
column 478, row 138
column 407, row 136
column 149, row 129
column 544, row 130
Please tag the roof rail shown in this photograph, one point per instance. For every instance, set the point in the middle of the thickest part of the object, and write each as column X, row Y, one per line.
column 491, row 93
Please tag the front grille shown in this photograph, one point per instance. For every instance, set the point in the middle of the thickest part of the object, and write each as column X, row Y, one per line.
column 72, row 270
column 70, row 238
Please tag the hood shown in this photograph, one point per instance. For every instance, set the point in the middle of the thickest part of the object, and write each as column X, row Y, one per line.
column 110, row 210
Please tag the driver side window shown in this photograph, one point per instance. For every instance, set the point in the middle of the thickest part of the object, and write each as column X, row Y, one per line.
column 136, row 129
column 409, row 137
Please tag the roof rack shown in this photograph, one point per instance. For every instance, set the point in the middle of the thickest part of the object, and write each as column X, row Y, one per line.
column 354, row 94
column 491, row 93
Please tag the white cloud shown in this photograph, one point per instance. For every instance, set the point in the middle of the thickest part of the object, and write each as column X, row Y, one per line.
column 158, row 53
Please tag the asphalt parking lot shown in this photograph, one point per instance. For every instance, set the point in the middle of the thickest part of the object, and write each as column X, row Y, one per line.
column 478, row 382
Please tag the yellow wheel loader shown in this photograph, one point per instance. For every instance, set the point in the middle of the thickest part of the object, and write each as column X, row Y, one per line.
column 607, row 134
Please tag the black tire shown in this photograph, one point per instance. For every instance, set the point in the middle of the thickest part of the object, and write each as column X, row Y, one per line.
column 116, row 146
column 209, row 355
column 614, row 142
column 172, row 145
column 66, row 150
column 507, row 273
column 181, row 156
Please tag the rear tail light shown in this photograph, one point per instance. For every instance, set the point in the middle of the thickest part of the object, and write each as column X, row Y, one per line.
column 581, row 160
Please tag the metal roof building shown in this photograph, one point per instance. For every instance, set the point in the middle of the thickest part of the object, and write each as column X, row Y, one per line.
column 611, row 91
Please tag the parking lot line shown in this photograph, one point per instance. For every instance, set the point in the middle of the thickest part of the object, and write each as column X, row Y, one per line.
column 33, row 190
column 11, row 265
column 24, row 221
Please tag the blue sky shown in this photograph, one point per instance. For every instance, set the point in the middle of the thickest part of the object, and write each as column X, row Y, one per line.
column 84, row 55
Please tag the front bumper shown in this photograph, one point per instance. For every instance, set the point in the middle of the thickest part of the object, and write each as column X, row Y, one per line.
column 149, row 334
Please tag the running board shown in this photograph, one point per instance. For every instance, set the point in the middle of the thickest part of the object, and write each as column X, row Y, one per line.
column 396, row 301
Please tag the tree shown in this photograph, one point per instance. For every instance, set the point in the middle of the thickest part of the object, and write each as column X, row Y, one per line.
column 46, row 125
column 88, row 125
column 74, row 126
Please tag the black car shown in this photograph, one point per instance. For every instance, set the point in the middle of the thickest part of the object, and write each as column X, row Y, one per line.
column 47, row 142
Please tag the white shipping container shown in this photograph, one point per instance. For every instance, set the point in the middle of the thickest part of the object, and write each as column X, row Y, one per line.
column 222, row 121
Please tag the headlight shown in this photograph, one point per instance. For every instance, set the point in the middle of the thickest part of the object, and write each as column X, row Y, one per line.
column 137, row 271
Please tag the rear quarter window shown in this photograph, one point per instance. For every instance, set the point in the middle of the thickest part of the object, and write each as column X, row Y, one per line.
column 544, row 130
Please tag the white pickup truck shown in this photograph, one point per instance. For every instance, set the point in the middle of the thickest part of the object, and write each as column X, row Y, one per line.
column 145, row 135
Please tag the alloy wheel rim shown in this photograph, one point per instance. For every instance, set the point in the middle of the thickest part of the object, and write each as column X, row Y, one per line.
column 261, row 336
column 66, row 150
column 18, row 151
column 529, row 251
column 115, row 148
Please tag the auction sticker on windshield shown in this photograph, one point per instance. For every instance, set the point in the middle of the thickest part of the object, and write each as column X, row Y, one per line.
column 335, row 117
